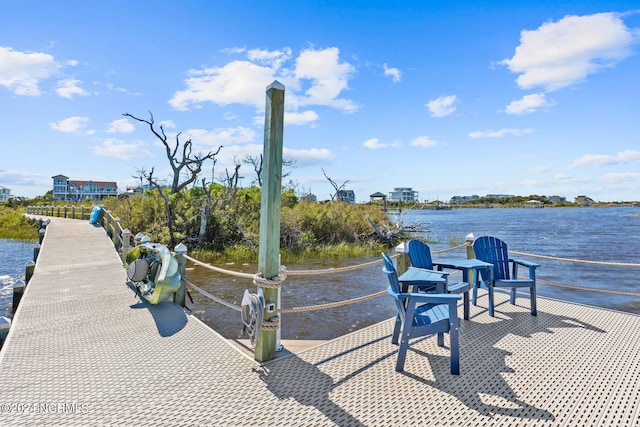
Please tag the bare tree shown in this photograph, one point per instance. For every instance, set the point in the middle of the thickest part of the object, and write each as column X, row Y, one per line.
column 186, row 163
column 256, row 162
column 335, row 186
column 183, row 164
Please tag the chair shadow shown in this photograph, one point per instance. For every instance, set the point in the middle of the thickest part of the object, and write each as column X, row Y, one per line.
column 487, row 379
column 168, row 317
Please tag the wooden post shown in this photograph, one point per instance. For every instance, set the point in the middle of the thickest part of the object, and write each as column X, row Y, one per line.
column 403, row 261
column 470, row 255
column 18, row 291
column 179, row 295
column 41, row 234
column 36, row 251
column 29, row 269
column 268, row 258
column 5, row 326
column 126, row 244
column 82, row 212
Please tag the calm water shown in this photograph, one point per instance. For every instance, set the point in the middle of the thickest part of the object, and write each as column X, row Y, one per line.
column 14, row 255
column 597, row 234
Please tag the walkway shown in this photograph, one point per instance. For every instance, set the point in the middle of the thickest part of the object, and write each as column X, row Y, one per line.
column 84, row 351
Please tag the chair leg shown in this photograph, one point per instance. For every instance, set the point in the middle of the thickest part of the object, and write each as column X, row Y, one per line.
column 396, row 330
column 465, row 295
column 512, row 298
column 402, row 350
column 534, row 309
column 455, row 351
column 441, row 339
column 490, row 289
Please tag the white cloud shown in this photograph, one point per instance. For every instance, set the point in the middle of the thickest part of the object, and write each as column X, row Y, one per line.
column 308, row 157
column 68, row 88
column 539, row 169
column 167, row 124
column 22, row 72
column 112, row 147
column 562, row 53
column 301, row 118
column 70, row 124
column 208, row 139
column 424, row 141
column 528, row 104
column 120, row 126
column 373, row 144
column 499, row 133
column 626, row 156
column 621, row 177
column 442, row 106
column 317, row 77
column 395, row 73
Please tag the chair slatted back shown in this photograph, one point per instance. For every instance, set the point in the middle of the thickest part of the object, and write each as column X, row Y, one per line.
column 493, row 250
column 394, row 286
column 420, row 254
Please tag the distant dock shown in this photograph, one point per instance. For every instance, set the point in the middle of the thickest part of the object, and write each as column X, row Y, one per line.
column 84, row 350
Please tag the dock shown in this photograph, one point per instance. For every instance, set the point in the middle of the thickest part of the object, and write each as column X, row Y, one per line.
column 84, row 350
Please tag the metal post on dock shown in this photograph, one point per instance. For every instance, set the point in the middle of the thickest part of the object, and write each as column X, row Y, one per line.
column 269, row 251
column 179, row 296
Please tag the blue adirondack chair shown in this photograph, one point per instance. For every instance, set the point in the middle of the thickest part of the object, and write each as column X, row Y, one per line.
column 420, row 314
column 494, row 251
column 420, row 256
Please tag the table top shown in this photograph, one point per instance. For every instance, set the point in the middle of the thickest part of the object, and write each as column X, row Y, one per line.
column 461, row 263
column 414, row 274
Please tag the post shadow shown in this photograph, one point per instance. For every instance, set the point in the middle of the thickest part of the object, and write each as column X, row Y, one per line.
column 168, row 317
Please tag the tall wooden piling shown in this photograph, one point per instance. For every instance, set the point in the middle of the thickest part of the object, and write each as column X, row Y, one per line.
column 268, row 258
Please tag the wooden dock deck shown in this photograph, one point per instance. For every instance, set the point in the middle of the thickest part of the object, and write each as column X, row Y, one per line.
column 84, row 351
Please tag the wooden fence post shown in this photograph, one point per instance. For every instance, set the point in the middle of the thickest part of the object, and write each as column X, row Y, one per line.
column 269, row 251
column 179, row 296
column 402, row 261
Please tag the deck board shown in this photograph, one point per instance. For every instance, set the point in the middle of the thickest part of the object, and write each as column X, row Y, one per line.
column 82, row 337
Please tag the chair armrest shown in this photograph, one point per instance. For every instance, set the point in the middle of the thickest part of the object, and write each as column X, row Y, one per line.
column 431, row 298
column 524, row 263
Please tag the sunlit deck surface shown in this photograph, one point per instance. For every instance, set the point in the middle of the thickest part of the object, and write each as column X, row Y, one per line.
column 82, row 338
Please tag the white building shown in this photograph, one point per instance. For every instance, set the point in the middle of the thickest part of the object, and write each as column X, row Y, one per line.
column 403, row 194
column 5, row 194
column 74, row 191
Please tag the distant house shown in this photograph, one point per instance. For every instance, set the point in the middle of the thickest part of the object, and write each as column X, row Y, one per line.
column 461, row 199
column 534, row 204
column 556, row 199
column 308, row 197
column 65, row 189
column 584, row 201
column 403, row 194
column 5, row 194
column 346, row 196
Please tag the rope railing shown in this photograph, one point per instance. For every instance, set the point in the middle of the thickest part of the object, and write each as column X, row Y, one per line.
column 580, row 261
column 114, row 230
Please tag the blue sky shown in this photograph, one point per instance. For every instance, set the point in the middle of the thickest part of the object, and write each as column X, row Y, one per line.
column 449, row 98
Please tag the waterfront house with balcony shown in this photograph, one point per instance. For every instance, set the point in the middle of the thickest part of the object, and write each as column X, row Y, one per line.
column 65, row 189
